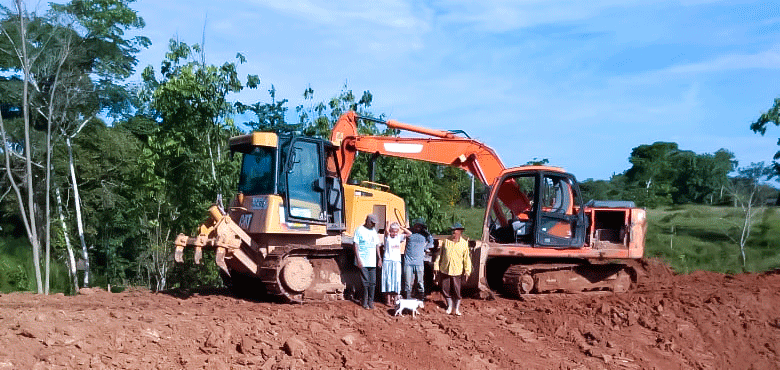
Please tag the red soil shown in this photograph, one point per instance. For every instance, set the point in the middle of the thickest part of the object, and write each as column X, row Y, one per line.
column 697, row 321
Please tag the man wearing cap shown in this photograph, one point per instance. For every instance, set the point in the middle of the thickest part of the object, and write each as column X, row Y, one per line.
column 454, row 264
column 366, row 243
column 414, row 258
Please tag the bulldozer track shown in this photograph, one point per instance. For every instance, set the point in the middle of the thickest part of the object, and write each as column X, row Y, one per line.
column 571, row 278
column 270, row 271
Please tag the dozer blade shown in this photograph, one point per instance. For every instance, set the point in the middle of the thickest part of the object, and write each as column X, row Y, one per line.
column 179, row 255
column 181, row 242
column 220, row 257
column 222, row 234
column 198, row 255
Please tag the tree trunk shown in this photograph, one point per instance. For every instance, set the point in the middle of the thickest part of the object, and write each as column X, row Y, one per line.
column 47, row 259
column 77, row 201
column 211, row 157
column 32, row 231
column 71, row 262
column 29, row 225
column 471, row 197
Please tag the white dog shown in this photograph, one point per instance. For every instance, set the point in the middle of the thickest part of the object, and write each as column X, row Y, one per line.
column 408, row 304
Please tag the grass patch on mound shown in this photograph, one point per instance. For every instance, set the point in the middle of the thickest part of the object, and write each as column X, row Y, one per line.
column 696, row 237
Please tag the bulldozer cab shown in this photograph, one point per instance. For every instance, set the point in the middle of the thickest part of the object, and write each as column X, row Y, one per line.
column 301, row 170
column 537, row 208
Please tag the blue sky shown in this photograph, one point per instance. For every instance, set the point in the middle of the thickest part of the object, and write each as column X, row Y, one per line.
column 580, row 83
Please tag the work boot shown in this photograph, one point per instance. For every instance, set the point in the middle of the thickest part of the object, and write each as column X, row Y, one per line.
column 449, row 305
column 365, row 298
column 371, row 297
column 457, row 307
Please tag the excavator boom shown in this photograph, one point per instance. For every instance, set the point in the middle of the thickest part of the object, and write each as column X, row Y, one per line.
column 443, row 147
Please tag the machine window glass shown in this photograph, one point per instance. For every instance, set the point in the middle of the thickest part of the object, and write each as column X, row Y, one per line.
column 305, row 200
column 511, row 213
column 257, row 172
column 556, row 195
column 557, row 225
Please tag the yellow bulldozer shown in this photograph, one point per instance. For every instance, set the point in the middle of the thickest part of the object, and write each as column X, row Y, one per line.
column 288, row 231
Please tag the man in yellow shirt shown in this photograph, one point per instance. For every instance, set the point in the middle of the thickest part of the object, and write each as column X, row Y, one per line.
column 453, row 263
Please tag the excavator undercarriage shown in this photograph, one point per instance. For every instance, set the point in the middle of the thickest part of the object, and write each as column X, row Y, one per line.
column 567, row 278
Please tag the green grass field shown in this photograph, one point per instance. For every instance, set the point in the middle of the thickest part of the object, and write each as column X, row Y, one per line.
column 694, row 238
column 690, row 237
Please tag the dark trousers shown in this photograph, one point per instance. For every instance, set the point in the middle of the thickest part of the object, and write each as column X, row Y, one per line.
column 410, row 274
column 368, row 278
column 450, row 286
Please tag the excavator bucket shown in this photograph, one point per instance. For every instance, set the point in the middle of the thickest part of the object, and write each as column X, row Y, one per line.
column 477, row 282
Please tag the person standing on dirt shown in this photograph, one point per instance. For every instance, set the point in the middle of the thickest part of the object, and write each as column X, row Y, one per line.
column 454, row 265
column 366, row 243
column 414, row 258
column 391, row 263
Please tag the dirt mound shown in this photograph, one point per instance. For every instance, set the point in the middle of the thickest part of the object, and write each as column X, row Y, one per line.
column 701, row 320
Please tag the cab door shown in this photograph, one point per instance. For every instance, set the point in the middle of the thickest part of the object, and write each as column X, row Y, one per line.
column 561, row 221
column 304, row 180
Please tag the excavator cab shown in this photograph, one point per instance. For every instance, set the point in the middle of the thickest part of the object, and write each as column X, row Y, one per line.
column 540, row 208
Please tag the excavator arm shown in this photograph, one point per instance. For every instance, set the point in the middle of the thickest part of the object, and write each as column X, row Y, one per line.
column 442, row 147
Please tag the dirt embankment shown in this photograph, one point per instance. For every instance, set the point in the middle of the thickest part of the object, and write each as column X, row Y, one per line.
column 697, row 321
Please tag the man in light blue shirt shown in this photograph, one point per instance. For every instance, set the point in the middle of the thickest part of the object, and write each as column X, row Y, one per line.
column 414, row 258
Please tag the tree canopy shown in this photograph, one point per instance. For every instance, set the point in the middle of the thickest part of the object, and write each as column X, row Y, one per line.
column 760, row 126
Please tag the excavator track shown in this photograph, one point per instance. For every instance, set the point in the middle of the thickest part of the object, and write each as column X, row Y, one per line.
column 296, row 272
column 570, row 278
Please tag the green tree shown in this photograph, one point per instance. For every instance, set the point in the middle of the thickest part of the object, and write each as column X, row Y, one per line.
column 700, row 178
column 270, row 116
column 184, row 163
column 663, row 174
column 760, row 126
column 68, row 62
column 652, row 173
column 749, row 197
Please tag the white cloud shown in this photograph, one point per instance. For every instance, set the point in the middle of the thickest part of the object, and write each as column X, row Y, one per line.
column 395, row 14
column 768, row 59
column 507, row 15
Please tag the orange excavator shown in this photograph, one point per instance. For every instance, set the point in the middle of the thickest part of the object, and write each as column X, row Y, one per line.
column 538, row 235
column 288, row 232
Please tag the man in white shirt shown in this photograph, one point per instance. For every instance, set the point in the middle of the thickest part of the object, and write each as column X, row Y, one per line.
column 367, row 257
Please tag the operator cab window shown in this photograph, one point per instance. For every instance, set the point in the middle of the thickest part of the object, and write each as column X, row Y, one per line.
column 258, row 172
column 511, row 218
column 561, row 224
